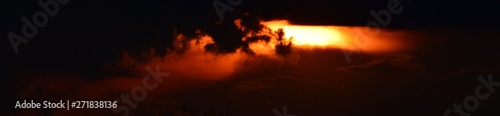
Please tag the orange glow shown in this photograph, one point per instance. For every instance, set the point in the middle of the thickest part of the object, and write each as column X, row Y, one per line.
column 312, row 35
column 343, row 37
column 196, row 62
column 306, row 35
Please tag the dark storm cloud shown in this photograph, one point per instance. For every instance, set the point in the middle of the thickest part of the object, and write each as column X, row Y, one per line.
column 228, row 36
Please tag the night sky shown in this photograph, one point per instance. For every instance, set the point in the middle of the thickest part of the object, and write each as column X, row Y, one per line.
column 99, row 50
